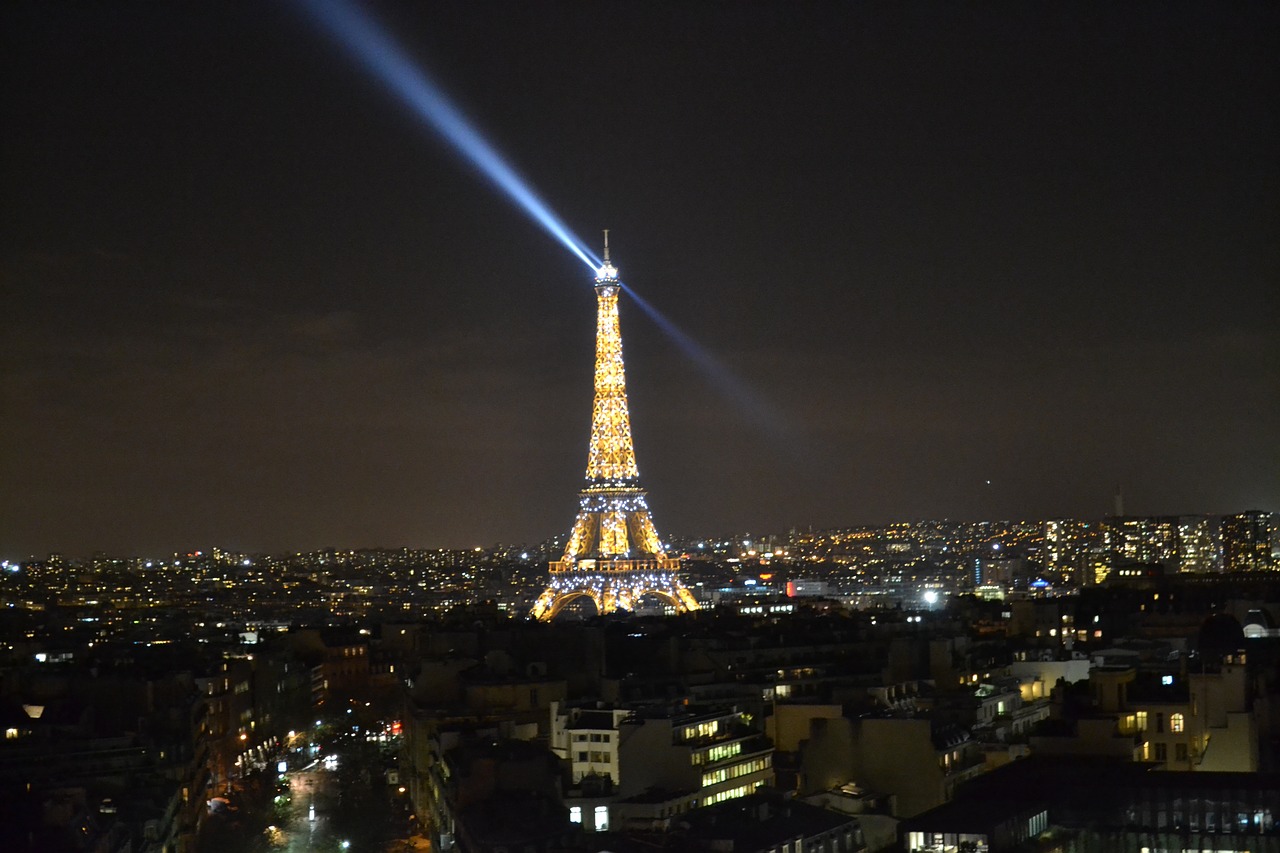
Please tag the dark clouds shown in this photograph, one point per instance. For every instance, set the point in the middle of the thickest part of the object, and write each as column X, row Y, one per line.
column 251, row 302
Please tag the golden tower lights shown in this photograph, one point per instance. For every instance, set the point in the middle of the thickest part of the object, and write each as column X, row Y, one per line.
column 614, row 555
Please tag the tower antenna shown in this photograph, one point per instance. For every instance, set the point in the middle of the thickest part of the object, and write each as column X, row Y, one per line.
column 606, row 245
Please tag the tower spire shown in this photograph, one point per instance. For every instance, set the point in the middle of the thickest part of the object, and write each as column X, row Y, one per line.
column 608, row 273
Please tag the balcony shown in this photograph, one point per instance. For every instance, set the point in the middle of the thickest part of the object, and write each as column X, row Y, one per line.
column 591, row 566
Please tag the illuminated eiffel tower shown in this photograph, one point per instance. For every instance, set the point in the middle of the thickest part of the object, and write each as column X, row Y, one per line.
column 613, row 556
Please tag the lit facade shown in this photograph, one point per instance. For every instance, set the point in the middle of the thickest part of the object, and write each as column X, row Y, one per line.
column 1199, row 548
column 670, row 764
column 638, row 769
column 1246, row 541
column 1065, row 542
column 613, row 556
column 1170, row 728
column 1086, row 805
column 1151, row 539
column 588, row 740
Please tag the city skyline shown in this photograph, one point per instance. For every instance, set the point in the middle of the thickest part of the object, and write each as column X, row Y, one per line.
column 1199, row 542
column 969, row 264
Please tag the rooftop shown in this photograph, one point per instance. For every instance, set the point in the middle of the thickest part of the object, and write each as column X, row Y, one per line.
column 759, row 821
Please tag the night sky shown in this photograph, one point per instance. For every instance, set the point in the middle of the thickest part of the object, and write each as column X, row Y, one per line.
column 251, row 300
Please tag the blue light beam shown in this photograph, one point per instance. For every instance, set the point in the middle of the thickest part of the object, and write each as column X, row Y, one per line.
column 357, row 33
column 757, row 408
column 381, row 56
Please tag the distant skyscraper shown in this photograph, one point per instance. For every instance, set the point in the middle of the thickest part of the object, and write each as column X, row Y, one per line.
column 1066, row 542
column 1143, row 540
column 1095, row 564
column 614, row 556
column 1199, row 548
column 1246, row 541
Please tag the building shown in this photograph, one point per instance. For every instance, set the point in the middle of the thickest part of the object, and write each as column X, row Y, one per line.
column 639, row 769
column 587, row 738
column 1065, row 543
column 1095, row 805
column 1164, row 713
column 765, row 822
column 495, row 794
column 340, row 669
column 1142, row 539
column 1199, row 544
column 1166, row 719
column 915, row 760
column 1246, row 541
column 1224, row 696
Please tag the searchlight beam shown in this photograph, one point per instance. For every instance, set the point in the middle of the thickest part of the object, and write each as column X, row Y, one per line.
column 355, row 31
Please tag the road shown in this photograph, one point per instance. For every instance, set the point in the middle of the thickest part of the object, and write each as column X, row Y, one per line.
column 338, row 805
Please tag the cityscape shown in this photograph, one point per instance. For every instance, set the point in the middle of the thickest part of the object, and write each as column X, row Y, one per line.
column 956, row 401
column 847, row 689
column 109, row 598
column 841, row 686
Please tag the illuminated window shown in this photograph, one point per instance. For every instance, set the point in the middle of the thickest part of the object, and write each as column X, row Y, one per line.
column 1142, row 721
column 575, row 814
column 602, row 818
column 1176, row 722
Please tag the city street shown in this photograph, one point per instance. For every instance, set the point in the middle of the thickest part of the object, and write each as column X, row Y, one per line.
column 338, row 802
column 309, row 821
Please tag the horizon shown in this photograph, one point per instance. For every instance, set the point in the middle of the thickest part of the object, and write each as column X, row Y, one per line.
column 207, row 550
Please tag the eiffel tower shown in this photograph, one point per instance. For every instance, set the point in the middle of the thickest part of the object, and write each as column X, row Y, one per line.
column 614, row 556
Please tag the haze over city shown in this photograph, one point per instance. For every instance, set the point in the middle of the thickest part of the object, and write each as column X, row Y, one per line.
column 971, row 263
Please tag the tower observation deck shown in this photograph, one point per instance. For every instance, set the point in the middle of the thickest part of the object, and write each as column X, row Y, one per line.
column 614, row 556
